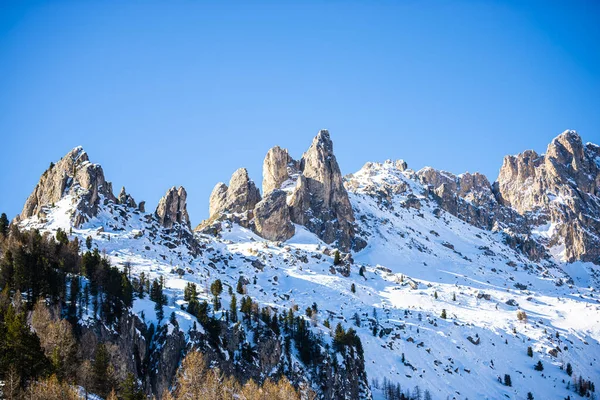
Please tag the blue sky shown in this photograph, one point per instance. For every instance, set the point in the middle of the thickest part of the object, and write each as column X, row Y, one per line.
column 165, row 93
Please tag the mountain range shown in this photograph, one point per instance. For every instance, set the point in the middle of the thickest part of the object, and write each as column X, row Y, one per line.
column 451, row 282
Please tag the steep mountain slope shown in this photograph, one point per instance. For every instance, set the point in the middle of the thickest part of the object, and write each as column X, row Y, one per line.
column 421, row 260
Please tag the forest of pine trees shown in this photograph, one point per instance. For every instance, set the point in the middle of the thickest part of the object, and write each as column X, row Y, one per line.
column 49, row 283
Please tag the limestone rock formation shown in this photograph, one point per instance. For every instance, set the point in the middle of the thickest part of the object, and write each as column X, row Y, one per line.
column 126, row 199
column 240, row 196
column 278, row 168
column 558, row 192
column 73, row 175
column 272, row 217
column 471, row 198
column 172, row 208
column 316, row 194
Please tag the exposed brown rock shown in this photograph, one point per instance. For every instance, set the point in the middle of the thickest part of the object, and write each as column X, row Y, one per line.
column 172, row 208
column 73, row 175
column 559, row 188
column 272, row 217
column 278, row 167
column 240, row 196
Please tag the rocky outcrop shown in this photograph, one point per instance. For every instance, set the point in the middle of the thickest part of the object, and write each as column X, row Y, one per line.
column 126, row 199
column 239, row 197
column 558, row 192
column 172, row 208
column 272, row 217
column 73, row 175
column 308, row 192
column 316, row 194
column 278, row 168
column 470, row 197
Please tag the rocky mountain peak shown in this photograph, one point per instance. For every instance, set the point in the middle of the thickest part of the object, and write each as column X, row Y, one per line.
column 239, row 197
column 172, row 208
column 126, row 199
column 73, row 175
column 559, row 188
column 316, row 194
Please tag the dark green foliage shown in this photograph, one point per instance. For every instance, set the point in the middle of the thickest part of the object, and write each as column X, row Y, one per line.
column 61, row 237
column 336, row 258
column 3, row 225
column 216, row 288
column 529, row 396
column 88, row 242
column 353, row 288
column 233, row 308
column 130, row 389
column 453, row 296
column 507, row 380
column 160, row 300
column 529, row 351
column 240, row 286
column 539, row 366
column 569, row 369
column 443, row 316
column 435, row 295
column 19, row 347
column 102, row 383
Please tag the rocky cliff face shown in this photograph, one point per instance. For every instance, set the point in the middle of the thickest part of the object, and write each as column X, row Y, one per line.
column 471, row 198
column 239, row 197
column 73, row 175
column 558, row 193
column 316, row 195
column 272, row 217
column 308, row 192
column 172, row 208
column 550, row 199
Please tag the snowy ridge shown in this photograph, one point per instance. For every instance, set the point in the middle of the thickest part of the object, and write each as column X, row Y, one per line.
column 419, row 261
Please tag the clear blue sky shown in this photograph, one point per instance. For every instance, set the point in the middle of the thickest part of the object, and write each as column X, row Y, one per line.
column 165, row 93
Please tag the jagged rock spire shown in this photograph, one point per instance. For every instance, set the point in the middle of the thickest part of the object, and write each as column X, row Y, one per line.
column 560, row 187
column 126, row 199
column 172, row 208
column 240, row 196
column 73, row 175
column 316, row 195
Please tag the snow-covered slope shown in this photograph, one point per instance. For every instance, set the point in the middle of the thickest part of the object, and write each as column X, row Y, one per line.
column 419, row 261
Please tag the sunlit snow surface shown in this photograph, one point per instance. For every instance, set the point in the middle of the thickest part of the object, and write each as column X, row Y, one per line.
column 415, row 247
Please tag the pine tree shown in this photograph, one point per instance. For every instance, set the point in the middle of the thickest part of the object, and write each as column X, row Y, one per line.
column 529, row 396
column 240, row 286
column 353, row 288
column 507, row 380
column 156, row 295
column 130, row 389
column 453, row 296
column 233, row 308
column 336, row 258
column 101, row 380
column 88, row 242
column 3, row 225
column 435, row 295
column 529, row 351
column 443, row 316
column 539, row 366
column 216, row 289
column 569, row 369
